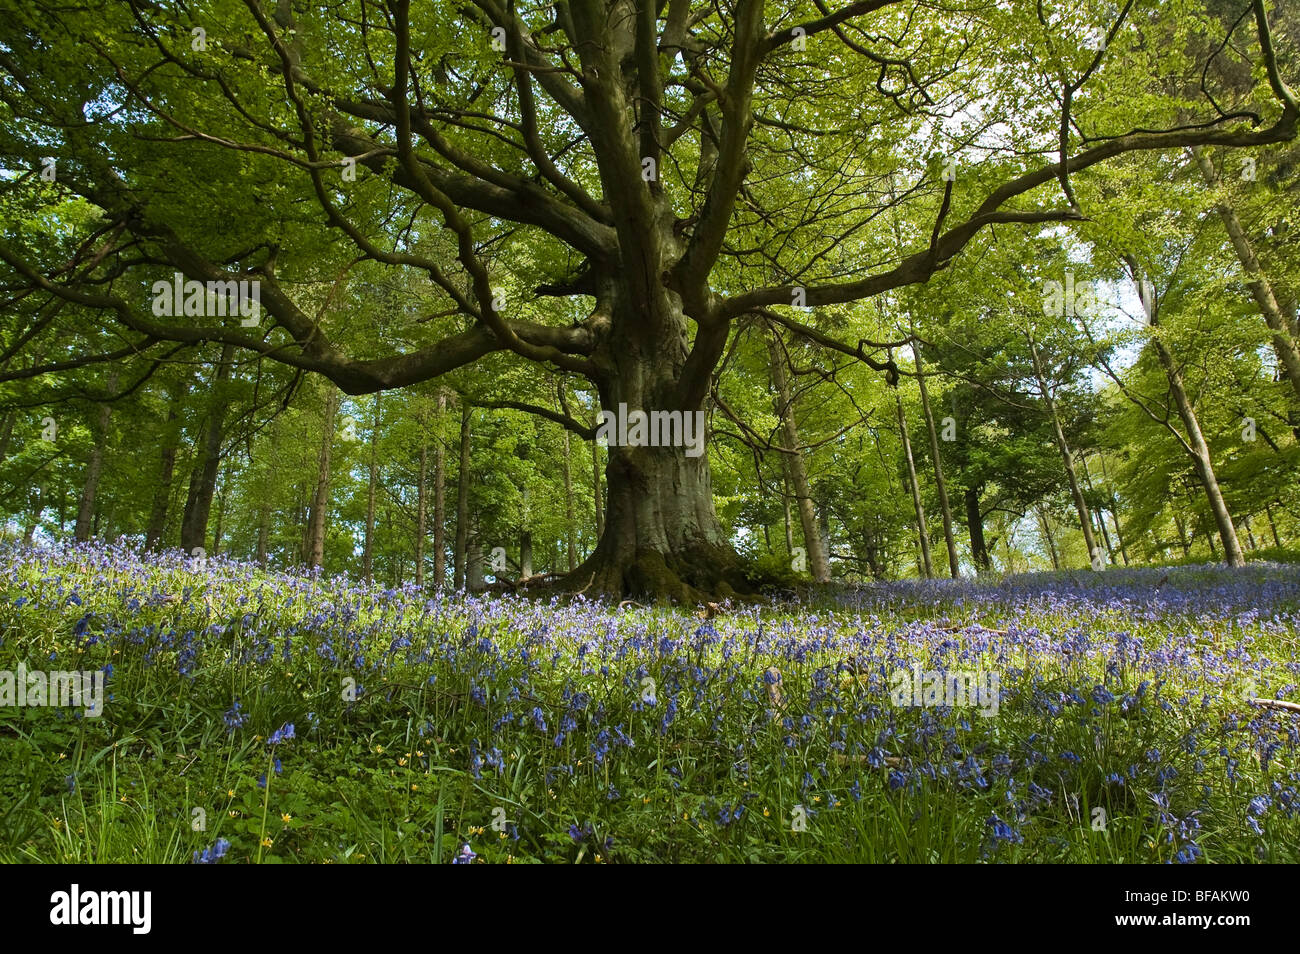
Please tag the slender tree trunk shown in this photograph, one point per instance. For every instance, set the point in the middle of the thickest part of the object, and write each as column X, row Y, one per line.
column 1098, row 515
column 1067, row 458
column 263, row 531
column 1114, row 510
column 1183, row 542
column 420, row 502
column 221, row 513
column 163, row 486
column 1261, row 288
column 1047, row 535
column 941, row 485
column 1201, row 458
column 975, row 521
column 6, row 433
column 203, row 475
column 570, row 528
column 316, row 518
column 785, row 504
column 33, row 517
column 818, row 564
column 474, row 581
column 915, row 487
column 439, row 499
column 595, row 489
column 371, row 488
column 1272, row 526
column 525, row 554
column 461, row 555
column 95, row 466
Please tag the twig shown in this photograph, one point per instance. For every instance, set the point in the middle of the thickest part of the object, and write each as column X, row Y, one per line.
column 1275, row 704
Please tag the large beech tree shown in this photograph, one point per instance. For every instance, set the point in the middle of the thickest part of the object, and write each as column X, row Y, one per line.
column 598, row 188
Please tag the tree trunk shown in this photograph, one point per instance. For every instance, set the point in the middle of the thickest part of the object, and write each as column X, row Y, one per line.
column 263, row 531
column 1098, row 515
column 595, row 490
column 1288, row 352
column 1114, row 509
column 1067, row 458
column 525, row 554
column 316, row 522
column 1051, row 542
column 439, row 499
column 221, row 513
column 570, row 531
column 915, row 487
column 818, row 564
column 1272, row 526
column 1182, row 537
column 6, row 432
column 203, row 475
column 461, row 555
column 162, row 493
column 975, row 521
column 420, row 509
column 944, row 508
column 1201, row 460
column 95, row 466
column 474, row 581
column 371, row 487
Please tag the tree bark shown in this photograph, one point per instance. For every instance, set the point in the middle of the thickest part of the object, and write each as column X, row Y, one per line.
column 1067, row 457
column 460, row 556
column 439, row 499
column 915, row 487
column 157, row 527
column 1047, row 535
column 818, row 564
column 1201, row 459
column 420, row 496
column 316, row 517
column 570, row 529
column 1284, row 343
column 975, row 522
column 95, row 466
column 944, row 508
column 371, row 487
column 525, row 554
column 203, row 474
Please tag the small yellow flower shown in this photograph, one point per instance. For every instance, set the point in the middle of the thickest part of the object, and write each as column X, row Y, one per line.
column 646, row 800
column 598, row 859
column 766, row 813
column 62, row 756
column 234, row 814
column 401, row 761
column 503, row 835
column 266, row 842
column 419, row 754
column 122, row 799
column 415, row 788
column 379, row 749
column 817, row 798
column 230, row 793
column 475, row 831
column 286, row 818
